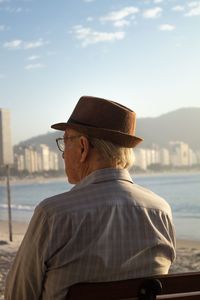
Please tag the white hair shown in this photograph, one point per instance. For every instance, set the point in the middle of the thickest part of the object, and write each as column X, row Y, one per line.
column 121, row 157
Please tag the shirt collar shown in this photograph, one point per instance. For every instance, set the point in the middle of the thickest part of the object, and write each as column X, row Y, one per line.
column 101, row 175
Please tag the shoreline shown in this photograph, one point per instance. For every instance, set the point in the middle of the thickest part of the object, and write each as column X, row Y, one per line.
column 42, row 179
column 37, row 179
column 18, row 231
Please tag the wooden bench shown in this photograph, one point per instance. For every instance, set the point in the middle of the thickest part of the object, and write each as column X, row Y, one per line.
column 184, row 286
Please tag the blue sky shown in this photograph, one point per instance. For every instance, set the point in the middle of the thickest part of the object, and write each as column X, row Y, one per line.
column 141, row 53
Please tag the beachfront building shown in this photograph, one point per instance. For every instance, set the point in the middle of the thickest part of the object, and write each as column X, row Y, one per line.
column 30, row 159
column 140, row 158
column 44, row 161
column 179, row 154
column 53, row 161
column 192, row 158
column 6, row 149
column 164, row 157
column 35, row 159
column 146, row 157
column 26, row 159
column 152, row 156
column 197, row 154
column 19, row 162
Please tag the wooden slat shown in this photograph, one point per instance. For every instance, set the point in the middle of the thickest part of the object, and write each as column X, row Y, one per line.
column 180, row 283
column 181, row 296
column 129, row 289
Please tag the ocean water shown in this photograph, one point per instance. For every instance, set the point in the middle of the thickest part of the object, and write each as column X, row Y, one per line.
column 182, row 192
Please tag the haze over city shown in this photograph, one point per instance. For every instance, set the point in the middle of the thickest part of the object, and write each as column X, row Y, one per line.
column 144, row 54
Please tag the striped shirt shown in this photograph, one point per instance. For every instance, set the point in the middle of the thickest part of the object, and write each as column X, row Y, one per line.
column 105, row 228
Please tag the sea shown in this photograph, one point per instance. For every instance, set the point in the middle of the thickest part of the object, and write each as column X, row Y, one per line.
column 181, row 191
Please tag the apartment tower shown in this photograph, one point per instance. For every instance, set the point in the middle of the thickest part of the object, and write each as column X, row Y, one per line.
column 6, row 149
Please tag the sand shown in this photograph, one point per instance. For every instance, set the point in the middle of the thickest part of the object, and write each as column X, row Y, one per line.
column 188, row 252
column 9, row 249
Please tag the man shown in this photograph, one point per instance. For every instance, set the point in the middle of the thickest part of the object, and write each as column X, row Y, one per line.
column 107, row 227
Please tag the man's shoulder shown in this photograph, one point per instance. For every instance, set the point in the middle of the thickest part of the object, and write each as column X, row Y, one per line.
column 99, row 195
column 148, row 199
column 67, row 202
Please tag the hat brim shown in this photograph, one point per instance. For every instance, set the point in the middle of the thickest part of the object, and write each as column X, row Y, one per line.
column 116, row 137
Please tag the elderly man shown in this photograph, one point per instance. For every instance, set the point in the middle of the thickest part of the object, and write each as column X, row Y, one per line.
column 106, row 227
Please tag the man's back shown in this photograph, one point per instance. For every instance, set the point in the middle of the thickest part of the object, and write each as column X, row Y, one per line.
column 106, row 228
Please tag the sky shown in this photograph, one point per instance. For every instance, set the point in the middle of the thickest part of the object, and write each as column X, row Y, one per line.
column 141, row 53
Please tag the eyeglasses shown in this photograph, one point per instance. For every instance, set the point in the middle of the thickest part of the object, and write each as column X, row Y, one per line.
column 61, row 141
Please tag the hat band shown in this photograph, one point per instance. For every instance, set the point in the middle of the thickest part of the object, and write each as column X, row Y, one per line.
column 80, row 123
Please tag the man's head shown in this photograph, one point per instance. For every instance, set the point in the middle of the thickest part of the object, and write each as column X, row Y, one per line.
column 99, row 134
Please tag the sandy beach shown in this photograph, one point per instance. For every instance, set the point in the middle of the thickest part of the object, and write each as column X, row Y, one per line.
column 188, row 252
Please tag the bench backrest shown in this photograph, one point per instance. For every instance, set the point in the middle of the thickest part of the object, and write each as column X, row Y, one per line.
column 185, row 286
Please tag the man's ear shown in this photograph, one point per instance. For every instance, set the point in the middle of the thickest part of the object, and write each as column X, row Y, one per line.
column 84, row 148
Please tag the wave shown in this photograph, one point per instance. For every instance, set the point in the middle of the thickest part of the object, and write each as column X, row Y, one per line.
column 187, row 216
column 18, row 207
column 180, row 214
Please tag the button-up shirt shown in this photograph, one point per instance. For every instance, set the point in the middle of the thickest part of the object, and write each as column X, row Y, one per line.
column 105, row 228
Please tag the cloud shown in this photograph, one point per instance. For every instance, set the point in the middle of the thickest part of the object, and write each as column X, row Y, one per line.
column 19, row 44
column 15, row 10
column 35, row 44
column 89, row 36
column 34, row 66
column 178, row 8
column 157, row 1
column 118, row 17
column 121, row 23
column 166, row 27
column 88, row 1
column 152, row 13
column 15, row 44
column 194, row 9
column 3, row 1
column 33, row 57
column 90, row 19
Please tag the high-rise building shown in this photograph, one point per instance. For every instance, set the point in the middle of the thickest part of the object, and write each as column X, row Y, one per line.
column 164, row 157
column 43, row 151
column 179, row 152
column 140, row 158
column 6, row 149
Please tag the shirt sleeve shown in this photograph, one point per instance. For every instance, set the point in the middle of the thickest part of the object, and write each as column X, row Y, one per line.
column 25, row 279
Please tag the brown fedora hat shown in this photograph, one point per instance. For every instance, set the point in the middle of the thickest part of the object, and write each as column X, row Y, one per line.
column 103, row 119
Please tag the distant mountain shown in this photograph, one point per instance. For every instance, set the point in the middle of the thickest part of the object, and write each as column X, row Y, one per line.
column 179, row 125
column 47, row 139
